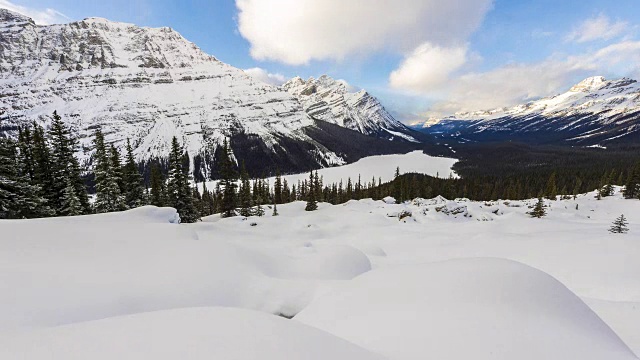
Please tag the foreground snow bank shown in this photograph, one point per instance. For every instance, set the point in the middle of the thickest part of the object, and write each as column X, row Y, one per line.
column 61, row 271
column 186, row 334
column 465, row 309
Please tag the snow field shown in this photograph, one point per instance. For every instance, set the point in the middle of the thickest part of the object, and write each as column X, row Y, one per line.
column 455, row 280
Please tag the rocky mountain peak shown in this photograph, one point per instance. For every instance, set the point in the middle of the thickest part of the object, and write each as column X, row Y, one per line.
column 589, row 84
column 8, row 17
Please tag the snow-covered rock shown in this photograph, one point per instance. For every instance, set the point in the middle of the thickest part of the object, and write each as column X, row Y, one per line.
column 594, row 112
column 335, row 101
column 150, row 84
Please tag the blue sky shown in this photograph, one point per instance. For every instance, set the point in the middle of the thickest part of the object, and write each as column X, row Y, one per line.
column 421, row 57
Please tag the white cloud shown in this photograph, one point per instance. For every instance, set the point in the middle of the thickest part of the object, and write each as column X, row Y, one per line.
column 298, row 31
column 428, row 66
column 597, row 28
column 266, row 77
column 40, row 16
column 517, row 83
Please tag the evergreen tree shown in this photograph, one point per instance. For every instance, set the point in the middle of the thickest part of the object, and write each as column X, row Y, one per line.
column 552, row 188
column 179, row 193
column 158, row 196
column 538, row 210
column 632, row 185
column 71, row 205
column 619, row 225
column 108, row 196
column 312, row 205
column 208, row 202
column 132, row 181
column 18, row 198
column 65, row 168
column 116, row 166
column 275, row 209
column 42, row 176
column 228, row 184
column 246, row 200
column 277, row 188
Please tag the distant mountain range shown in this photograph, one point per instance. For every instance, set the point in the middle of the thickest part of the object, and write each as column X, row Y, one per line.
column 150, row 84
column 596, row 112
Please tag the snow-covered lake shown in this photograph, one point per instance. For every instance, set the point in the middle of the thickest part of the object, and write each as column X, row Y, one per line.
column 455, row 280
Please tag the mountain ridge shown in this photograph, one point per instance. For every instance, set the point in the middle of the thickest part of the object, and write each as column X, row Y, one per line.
column 150, row 84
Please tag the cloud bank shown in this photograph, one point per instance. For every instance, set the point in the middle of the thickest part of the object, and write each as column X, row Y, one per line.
column 266, row 77
column 296, row 32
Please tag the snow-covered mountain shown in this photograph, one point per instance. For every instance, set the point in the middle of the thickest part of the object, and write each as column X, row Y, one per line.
column 149, row 84
column 335, row 102
column 595, row 111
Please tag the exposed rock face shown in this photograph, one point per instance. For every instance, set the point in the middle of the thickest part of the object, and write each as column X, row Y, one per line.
column 334, row 101
column 148, row 85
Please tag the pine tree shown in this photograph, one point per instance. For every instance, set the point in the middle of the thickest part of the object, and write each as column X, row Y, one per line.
column 552, row 189
column 158, row 195
column 132, row 181
column 208, row 202
column 228, row 184
column 312, row 205
column 246, row 200
column 71, row 205
column 108, row 196
column 18, row 198
column 65, row 168
column 179, row 193
column 42, row 176
column 538, row 210
column 619, row 225
column 632, row 185
column 275, row 209
column 277, row 188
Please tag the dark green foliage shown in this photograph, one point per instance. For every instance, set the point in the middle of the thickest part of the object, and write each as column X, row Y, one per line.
column 619, row 225
column 65, row 168
column 538, row 210
column 277, row 188
column 179, row 192
column 246, row 199
column 133, row 186
column 312, row 204
column 108, row 195
column 632, row 185
column 158, row 196
column 228, row 177
column 18, row 197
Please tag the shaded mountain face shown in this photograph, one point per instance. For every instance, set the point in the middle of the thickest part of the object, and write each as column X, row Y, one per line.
column 336, row 102
column 150, row 84
column 595, row 112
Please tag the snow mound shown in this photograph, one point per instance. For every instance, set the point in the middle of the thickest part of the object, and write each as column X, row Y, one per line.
column 187, row 334
column 465, row 309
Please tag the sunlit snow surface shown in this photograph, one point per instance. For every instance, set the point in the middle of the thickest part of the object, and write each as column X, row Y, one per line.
column 456, row 280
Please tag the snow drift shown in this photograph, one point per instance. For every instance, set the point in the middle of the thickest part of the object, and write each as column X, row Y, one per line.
column 465, row 309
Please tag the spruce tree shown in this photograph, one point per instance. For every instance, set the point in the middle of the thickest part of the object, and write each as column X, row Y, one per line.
column 275, row 209
column 632, row 185
column 619, row 225
column 180, row 195
column 312, row 205
column 42, row 176
column 108, row 196
column 552, row 188
column 158, row 196
column 538, row 210
column 208, row 203
column 132, row 180
column 65, row 168
column 277, row 188
column 71, row 205
column 228, row 184
column 18, row 198
column 246, row 200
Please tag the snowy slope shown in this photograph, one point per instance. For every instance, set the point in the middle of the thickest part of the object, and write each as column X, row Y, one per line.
column 594, row 111
column 335, row 102
column 443, row 309
column 150, row 84
column 189, row 334
column 66, row 271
